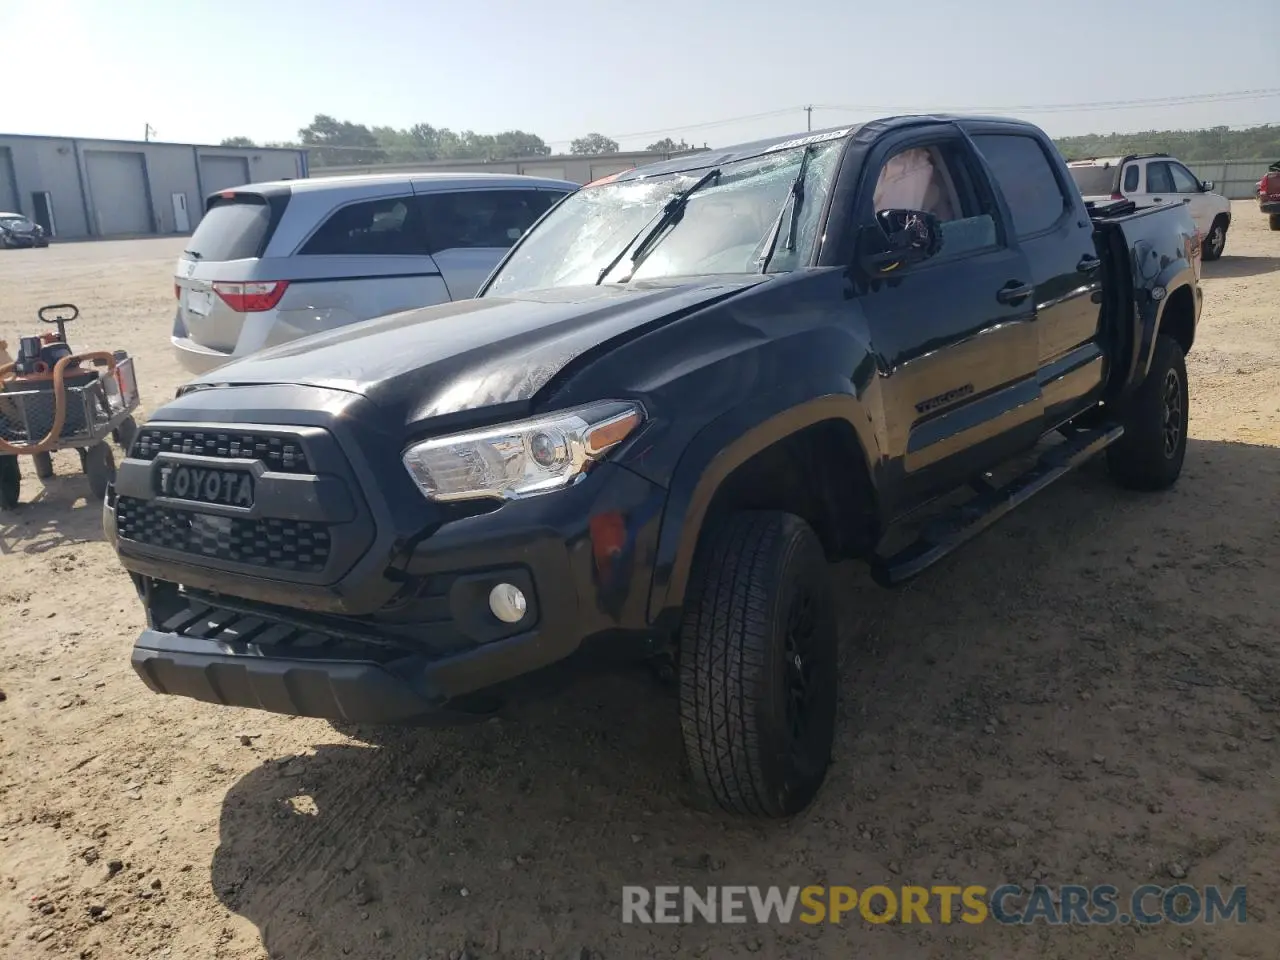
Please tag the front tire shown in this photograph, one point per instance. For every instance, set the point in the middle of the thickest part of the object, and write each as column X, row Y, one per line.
column 1149, row 456
column 758, row 666
column 1215, row 240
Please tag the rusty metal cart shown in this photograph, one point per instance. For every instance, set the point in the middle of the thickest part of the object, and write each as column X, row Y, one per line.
column 52, row 399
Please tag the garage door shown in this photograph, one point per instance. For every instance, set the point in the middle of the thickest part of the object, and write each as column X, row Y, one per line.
column 8, row 202
column 118, row 185
column 219, row 173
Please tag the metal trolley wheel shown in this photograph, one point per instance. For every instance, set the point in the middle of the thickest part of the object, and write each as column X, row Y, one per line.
column 44, row 464
column 123, row 434
column 10, row 482
column 99, row 466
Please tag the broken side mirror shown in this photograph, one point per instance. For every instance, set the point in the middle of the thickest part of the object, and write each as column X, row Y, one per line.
column 899, row 239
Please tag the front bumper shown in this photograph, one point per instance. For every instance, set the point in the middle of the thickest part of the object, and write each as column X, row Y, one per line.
column 398, row 626
column 19, row 240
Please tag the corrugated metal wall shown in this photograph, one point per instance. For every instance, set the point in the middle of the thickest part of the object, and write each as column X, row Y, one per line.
column 155, row 189
column 1234, row 179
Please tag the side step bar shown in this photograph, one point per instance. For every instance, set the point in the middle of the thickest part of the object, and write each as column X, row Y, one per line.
column 963, row 523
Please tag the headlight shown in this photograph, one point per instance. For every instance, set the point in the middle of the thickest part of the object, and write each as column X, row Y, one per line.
column 520, row 459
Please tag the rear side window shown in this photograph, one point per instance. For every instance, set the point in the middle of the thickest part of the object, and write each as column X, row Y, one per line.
column 1131, row 178
column 1096, row 180
column 1026, row 178
column 392, row 226
column 232, row 229
column 483, row 218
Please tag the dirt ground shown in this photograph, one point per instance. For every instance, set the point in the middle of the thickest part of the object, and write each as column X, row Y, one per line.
column 1086, row 694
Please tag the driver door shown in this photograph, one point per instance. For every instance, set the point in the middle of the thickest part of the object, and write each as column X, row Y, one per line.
column 954, row 334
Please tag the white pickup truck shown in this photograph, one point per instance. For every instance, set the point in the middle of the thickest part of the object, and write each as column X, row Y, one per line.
column 1151, row 179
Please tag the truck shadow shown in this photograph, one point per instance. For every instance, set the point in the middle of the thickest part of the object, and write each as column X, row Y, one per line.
column 51, row 513
column 981, row 693
column 1230, row 266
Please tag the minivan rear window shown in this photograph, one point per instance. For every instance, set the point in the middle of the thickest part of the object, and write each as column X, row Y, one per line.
column 232, row 229
column 1095, row 180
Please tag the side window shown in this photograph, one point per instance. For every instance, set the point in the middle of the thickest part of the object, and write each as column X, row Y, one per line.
column 1026, row 177
column 482, row 218
column 1131, row 178
column 1159, row 179
column 933, row 179
column 1183, row 180
column 386, row 227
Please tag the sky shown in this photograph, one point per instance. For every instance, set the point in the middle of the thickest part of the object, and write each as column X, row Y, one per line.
column 719, row 72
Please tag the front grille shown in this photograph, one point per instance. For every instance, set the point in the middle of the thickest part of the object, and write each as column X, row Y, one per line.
column 269, row 542
column 282, row 454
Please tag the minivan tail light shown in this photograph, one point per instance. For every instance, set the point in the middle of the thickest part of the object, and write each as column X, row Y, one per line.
column 251, row 297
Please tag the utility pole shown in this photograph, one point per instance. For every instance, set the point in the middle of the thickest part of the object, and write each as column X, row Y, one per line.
column 809, row 116
column 146, row 134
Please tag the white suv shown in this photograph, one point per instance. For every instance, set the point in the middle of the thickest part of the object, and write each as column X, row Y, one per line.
column 1157, row 178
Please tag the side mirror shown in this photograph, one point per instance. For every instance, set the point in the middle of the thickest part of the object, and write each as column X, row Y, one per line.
column 1206, row 185
column 900, row 238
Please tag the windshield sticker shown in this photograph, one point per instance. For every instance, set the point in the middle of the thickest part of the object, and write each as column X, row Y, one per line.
column 816, row 138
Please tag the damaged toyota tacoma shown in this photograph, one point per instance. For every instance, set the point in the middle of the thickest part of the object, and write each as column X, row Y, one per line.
column 682, row 394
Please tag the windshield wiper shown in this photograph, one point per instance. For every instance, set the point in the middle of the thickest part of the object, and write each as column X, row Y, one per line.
column 672, row 211
column 795, row 196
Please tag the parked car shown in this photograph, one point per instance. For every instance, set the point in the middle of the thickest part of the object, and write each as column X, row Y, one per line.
column 271, row 262
column 1269, row 194
column 1153, row 179
column 678, row 396
column 17, row 230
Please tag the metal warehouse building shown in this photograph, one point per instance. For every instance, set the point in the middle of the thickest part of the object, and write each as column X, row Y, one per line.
column 119, row 188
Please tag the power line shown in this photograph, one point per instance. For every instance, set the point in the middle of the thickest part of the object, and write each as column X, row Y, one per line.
column 1229, row 96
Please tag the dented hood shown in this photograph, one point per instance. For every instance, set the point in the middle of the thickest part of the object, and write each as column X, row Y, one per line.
column 469, row 354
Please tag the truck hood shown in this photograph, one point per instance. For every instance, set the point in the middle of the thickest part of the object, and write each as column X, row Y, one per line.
column 470, row 354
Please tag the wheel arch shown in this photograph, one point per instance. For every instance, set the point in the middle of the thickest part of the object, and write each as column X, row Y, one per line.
column 745, row 445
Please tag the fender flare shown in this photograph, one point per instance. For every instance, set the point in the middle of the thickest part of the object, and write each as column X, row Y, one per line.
column 721, row 447
column 1151, row 317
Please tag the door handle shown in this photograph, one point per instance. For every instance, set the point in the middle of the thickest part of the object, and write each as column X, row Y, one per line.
column 1015, row 291
column 1088, row 264
column 1157, row 199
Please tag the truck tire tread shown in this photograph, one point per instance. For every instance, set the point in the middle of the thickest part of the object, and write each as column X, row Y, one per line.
column 1139, row 460
column 729, row 665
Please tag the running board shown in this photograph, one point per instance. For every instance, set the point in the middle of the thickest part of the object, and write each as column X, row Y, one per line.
column 943, row 534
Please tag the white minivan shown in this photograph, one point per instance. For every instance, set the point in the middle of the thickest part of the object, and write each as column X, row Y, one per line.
column 1156, row 178
column 271, row 262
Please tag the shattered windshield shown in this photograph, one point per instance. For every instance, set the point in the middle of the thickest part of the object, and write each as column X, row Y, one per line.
column 725, row 226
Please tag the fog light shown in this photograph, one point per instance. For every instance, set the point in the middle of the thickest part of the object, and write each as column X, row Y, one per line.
column 507, row 602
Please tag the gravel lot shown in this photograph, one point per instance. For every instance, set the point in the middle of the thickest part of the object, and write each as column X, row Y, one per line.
column 1086, row 694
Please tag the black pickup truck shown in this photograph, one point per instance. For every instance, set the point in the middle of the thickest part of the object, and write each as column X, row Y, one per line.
column 679, row 396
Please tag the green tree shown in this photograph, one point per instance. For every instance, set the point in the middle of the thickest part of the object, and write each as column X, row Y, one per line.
column 237, row 142
column 667, row 145
column 593, row 143
column 332, row 142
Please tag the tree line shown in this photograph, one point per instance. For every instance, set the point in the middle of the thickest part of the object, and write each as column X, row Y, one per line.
column 1215, row 143
column 333, row 142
